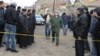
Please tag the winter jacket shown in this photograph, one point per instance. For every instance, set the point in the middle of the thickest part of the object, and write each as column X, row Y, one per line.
column 93, row 23
column 1, row 17
column 45, row 18
column 11, row 16
column 33, row 20
column 89, row 19
column 97, row 30
column 24, row 22
column 81, row 25
column 32, row 23
column 65, row 19
column 55, row 23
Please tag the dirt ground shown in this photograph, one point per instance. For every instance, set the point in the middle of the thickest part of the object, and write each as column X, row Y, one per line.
column 43, row 47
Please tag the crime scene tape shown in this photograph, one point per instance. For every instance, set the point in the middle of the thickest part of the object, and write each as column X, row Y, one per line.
column 22, row 34
column 91, row 1
column 39, row 36
column 60, row 36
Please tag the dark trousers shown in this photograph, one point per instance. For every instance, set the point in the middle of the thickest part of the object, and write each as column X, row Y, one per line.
column 23, row 41
column 97, row 45
column 32, row 38
column 55, row 37
column 87, row 47
column 47, row 30
column 1, row 34
column 19, row 30
column 79, row 47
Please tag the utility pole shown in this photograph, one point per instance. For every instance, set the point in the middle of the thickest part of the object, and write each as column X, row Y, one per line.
column 54, row 6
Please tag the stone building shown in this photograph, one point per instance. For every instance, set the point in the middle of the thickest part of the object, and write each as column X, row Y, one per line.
column 91, row 4
column 63, row 5
column 43, row 5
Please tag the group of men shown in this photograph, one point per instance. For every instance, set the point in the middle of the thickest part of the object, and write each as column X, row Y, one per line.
column 87, row 22
column 82, row 22
column 14, row 23
column 23, row 22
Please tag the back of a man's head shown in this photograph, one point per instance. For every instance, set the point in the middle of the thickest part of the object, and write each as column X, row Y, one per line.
column 81, row 9
column 24, row 10
column 13, row 5
column 18, row 8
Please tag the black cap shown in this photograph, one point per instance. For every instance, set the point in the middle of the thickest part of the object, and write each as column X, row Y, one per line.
column 13, row 5
column 18, row 7
column 24, row 10
column 81, row 9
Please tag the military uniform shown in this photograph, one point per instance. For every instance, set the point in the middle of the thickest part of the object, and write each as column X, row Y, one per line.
column 55, row 27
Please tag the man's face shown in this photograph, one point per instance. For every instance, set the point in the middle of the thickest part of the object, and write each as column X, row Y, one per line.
column 95, row 14
column 77, row 12
column 24, row 12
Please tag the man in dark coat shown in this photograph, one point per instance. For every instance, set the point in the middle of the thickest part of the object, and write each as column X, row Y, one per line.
column 18, row 10
column 33, row 25
column 23, row 41
column 18, row 25
column 1, row 20
column 32, row 22
column 87, row 47
column 96, row 32
column 80, row 29
column 93, row 23
column 29, row 26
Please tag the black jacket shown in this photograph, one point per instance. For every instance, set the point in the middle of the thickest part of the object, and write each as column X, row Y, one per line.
column 81, row 25
column 33, row 20
column 24, row 22
column 97, row 30
column 45, row 17
column 89, row 19
column 65, row 19
column 1, row 17
column 11, row 16
column 31, row 23
column 17, row 13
